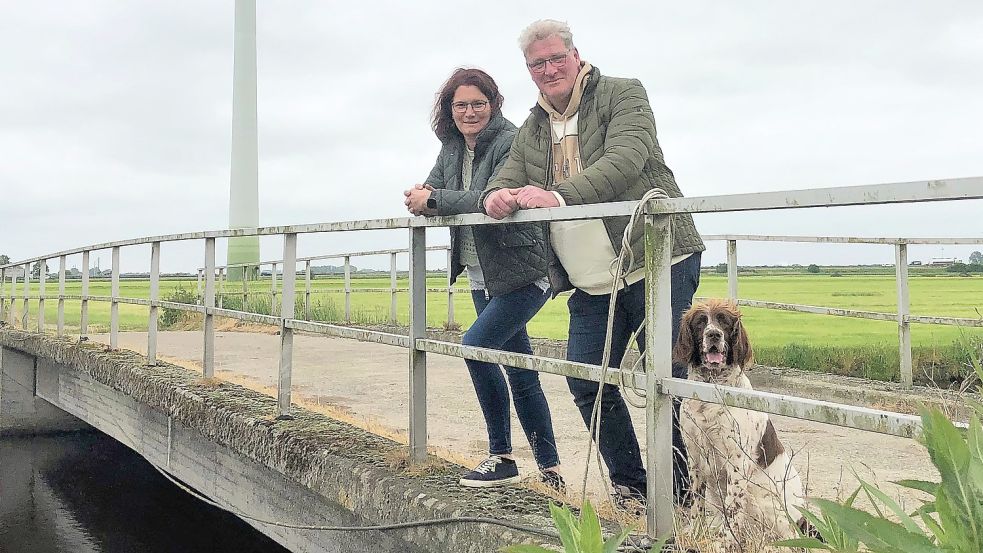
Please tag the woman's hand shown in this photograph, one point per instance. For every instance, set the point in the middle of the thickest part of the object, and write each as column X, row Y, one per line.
column 416, row 200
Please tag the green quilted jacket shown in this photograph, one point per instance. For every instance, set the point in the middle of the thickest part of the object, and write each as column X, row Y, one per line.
column 621, row 157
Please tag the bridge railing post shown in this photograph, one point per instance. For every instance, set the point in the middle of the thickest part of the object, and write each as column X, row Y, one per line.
column 392, row 289
column 658, row 365
column 450, row 288
column 732, row 269
column 348, row 289
column 904, row 310
column 114, row 304
column 198, row 289
column 417, row 357
column 61, row 295
column 208, row 357
column 154, row 294
column 84, row 311
column 42, row 280
column 287, row 333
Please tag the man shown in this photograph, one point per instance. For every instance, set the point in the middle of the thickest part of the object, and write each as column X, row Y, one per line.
column 591, row 139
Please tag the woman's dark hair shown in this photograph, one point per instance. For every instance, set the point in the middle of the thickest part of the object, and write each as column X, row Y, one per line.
column 442, row 118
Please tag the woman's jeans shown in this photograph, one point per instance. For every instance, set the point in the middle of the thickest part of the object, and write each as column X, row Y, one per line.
column 501, row 324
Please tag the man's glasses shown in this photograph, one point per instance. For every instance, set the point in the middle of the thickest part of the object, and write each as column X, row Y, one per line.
column 557, row 61
column 478, row 106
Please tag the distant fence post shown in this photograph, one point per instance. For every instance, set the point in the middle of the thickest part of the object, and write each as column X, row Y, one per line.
column 392, row 288
column 348, row 289
column 198, row 288
column 42, row 280
column 221, row 287
column 658, row 365
column 418, row 358
column 154, row 296
column 286, row 332
column 3, row 291
column 208, row 357
column 273, row 290
column 246, row 275
column 11, row 307
column 307, row 290
column 61, row 295
column 27, row 284
column 450, row 289
column 904, row 310
column 84, row 315
column 732, row 269
column 114, row 304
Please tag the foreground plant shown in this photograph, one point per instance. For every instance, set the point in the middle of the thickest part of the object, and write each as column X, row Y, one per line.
column 951, row 522
column 581, row 535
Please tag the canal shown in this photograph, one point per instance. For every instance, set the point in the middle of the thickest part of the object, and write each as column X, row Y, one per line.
column 87, row 493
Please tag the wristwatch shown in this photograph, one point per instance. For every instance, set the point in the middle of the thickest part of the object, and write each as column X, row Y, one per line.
column 431, row 202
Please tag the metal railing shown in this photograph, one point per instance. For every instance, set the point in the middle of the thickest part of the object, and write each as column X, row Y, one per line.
column 393, row 289
column 656, row 378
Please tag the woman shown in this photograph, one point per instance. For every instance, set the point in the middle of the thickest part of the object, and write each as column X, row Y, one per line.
column 506, row 269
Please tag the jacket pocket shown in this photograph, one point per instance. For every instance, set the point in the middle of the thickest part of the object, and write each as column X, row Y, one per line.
column 520, row 235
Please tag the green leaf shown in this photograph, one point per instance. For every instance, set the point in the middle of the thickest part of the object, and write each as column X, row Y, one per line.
column 908, row 522
column 878, row 534
column 566, row 525
column 920, row 485
column 951, row 456
column 526, row 549
column 590, row 529
column 975, row 441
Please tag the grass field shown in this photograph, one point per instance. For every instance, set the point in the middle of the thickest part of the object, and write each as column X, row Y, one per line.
column 821, row 342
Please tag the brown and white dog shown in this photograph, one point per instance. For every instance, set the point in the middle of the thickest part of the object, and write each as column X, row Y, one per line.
column 743, row 479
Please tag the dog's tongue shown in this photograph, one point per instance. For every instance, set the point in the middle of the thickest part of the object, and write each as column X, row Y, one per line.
column 715, row 357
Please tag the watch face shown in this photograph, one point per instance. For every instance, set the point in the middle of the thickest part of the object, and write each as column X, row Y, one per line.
column 432, row 203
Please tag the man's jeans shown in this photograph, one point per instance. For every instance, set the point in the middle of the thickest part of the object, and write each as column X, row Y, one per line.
column 588, row 321
column 501, row 324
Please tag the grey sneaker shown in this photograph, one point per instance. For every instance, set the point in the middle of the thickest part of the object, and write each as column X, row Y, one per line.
column 629, row 500
column 493, row 471
column 553, row 481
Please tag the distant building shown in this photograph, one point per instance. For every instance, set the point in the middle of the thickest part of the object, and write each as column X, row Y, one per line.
column 915, row 263
column 944, row 261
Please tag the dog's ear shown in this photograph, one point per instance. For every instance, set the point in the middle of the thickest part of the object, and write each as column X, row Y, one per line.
column 685, row 350
column 740, row 352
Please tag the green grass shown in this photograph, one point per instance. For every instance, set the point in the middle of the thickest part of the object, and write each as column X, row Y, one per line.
column 820, row 342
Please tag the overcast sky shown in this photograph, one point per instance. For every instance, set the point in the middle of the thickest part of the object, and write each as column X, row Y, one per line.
column 115, row 116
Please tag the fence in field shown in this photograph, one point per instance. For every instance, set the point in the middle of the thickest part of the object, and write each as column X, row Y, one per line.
column 903, row 317
column 656, row 379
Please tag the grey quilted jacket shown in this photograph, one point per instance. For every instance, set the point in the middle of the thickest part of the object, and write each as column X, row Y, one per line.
column 621, row 157
column 512, row 255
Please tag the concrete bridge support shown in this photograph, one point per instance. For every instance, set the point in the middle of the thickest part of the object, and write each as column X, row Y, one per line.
column 24, row 381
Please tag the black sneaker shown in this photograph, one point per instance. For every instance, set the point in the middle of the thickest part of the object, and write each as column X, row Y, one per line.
column 628, row 499
column 493, row 471
column 553, row 481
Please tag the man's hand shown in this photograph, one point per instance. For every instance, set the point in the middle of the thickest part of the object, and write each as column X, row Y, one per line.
column 531, row 197
column 416, row 200
column 501, row 203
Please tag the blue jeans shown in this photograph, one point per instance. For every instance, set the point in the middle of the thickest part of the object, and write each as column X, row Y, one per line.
column 501, row 324
column 588, row 321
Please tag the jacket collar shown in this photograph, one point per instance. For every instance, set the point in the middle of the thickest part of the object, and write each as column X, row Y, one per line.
column 495, row 125
column 590, row 85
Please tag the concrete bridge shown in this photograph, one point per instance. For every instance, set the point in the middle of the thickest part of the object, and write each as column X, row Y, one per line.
column 225, row 441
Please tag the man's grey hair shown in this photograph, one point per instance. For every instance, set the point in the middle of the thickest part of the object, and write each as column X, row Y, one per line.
column 545, row 28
